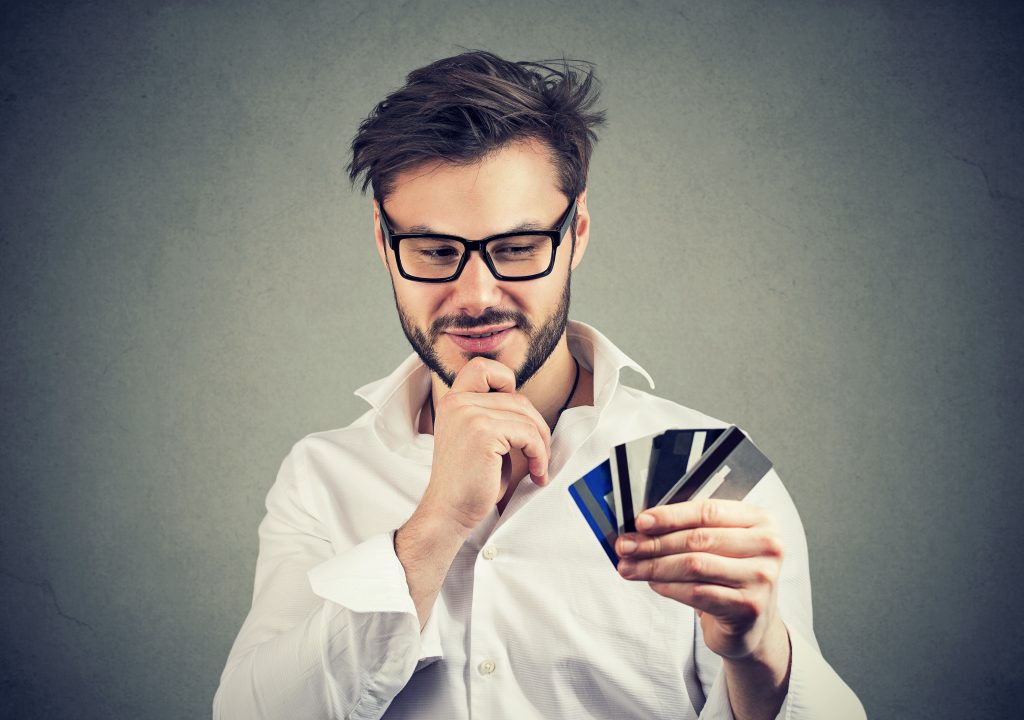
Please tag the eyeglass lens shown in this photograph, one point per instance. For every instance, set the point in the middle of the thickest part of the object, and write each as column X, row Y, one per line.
column 436, row 258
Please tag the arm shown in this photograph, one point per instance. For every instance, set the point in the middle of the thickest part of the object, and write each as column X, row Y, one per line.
column 743, row 567
column 328, row 634
column 478, row 423
column 334, row 635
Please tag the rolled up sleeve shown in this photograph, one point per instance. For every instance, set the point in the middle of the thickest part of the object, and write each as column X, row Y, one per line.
column 332, row 632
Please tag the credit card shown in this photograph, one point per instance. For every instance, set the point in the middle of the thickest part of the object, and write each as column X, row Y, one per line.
column 671, row 466
column 645, row 469
column 593, row 496
column 729, row 469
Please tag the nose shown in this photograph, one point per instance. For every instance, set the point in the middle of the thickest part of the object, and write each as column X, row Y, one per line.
column 476, row 289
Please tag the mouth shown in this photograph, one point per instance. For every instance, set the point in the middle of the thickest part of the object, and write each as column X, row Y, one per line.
column 482, row 339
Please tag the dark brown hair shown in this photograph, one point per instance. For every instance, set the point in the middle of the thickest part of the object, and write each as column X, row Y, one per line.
column 461, row 108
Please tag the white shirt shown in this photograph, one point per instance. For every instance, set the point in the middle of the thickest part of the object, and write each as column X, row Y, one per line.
column 532, row 621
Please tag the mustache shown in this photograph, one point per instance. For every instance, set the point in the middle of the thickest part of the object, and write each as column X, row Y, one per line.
column 492, row 316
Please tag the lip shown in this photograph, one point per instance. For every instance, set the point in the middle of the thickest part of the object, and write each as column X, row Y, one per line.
column 488, row 344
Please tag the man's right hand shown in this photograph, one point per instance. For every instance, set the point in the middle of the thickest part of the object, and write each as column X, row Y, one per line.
column 478, row 424
column 474, row 433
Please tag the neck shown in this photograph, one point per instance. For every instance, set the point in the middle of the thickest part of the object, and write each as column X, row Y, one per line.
column 547, row 389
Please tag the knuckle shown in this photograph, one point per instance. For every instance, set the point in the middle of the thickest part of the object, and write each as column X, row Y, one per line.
column 699, row 540
column 478, row 424
column 692, row 565
column 655, row 545
column 764, row 576
column 709, row 512
column 450, row 401
column 655, row 568
column 774, row 546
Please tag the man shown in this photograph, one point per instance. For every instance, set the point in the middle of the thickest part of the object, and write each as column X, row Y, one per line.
column 427, row 560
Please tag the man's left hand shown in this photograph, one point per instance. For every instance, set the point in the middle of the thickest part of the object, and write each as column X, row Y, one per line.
column 721, row 557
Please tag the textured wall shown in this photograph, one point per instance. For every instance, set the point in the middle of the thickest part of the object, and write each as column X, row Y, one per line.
column 807, row 220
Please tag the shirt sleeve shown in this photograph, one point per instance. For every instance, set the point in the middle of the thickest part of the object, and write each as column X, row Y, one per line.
column 330, row 634
column 816, row 692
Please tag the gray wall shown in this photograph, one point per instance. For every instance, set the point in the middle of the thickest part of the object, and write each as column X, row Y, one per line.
column 807, row 220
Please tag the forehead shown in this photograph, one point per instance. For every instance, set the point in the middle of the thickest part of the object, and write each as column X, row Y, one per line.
column 513, row 185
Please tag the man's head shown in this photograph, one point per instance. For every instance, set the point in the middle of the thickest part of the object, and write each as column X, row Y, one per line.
column 475, row 146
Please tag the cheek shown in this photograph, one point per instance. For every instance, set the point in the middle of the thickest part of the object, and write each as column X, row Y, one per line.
column 420, row 301
column 538, row 299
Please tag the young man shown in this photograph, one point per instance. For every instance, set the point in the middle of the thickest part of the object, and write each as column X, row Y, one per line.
column 428, row 561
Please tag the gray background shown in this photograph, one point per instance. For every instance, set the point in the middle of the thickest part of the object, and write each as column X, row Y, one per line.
column 806, row 219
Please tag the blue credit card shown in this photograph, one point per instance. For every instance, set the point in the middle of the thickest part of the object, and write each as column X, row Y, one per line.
column 672, row 466
column 593, row 496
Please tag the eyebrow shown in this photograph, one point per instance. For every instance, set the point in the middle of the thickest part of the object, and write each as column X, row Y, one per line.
column 521, row 227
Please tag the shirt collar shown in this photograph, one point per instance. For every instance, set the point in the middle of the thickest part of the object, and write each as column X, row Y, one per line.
column 399, row 396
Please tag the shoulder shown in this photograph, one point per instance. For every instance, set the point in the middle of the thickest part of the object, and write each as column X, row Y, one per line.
column 316, row 456
column 656, row 410
column 320, row 456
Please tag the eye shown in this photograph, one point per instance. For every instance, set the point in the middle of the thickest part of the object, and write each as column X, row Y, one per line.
column 437, row 253
column 525, row 247
column 430, row 251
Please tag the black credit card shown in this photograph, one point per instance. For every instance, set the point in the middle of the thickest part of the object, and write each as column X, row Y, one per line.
column 729, row 469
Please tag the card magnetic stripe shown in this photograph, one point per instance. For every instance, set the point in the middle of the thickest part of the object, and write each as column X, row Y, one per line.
column 625, row 490
column 589, row 494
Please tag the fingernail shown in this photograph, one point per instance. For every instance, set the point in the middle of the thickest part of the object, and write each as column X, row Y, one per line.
column 644, row 522
column 626, row 546
column 626, row 567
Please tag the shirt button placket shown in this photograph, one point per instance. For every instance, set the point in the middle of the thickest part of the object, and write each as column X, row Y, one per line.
column 485, row 645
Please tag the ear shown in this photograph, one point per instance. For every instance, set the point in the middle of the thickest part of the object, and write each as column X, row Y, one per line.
column 582, row 229
column 378, row 235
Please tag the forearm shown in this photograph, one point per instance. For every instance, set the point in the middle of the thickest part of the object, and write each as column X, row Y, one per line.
column 426, row 545
column 316, row 668
column 259, row 683
column 758, row 684
column 321, row 641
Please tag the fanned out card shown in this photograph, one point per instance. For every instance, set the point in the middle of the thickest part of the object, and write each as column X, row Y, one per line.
column 593, row 496
column 730, row 469
column 645, row 469
column 673, row 466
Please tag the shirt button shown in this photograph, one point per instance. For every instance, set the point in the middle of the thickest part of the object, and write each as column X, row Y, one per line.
column 486, row 667
column 490, row 552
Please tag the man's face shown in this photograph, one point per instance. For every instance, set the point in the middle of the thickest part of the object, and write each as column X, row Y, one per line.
column 508, row 189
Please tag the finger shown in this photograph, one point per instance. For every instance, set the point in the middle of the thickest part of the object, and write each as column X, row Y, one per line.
column 483, row 375
column 718, row 600
column 698, row 567
column 501, row 423
column 699, row 513
column 525, row 436
column 731, row 542
column 511, row 403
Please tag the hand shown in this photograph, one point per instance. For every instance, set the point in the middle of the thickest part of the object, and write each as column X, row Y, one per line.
column 475, row 430
column 721, row 557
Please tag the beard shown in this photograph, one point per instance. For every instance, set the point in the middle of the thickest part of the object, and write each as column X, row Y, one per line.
column 541, row 340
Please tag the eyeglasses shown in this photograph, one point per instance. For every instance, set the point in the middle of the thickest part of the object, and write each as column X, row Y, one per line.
column 519, row 255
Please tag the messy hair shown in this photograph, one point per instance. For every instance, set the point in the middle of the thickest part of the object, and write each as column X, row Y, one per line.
column 461, row 108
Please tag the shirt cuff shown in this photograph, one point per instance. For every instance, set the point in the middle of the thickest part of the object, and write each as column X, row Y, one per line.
column 815, row 691
column 369, row 578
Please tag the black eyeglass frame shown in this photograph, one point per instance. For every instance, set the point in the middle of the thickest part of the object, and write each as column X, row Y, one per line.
column 393, row 238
